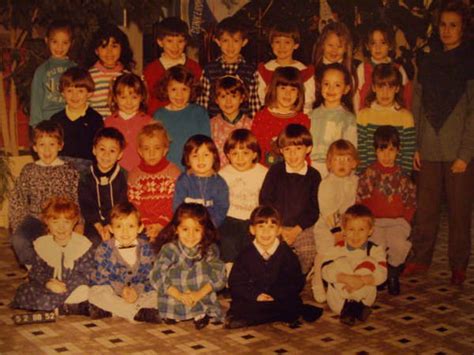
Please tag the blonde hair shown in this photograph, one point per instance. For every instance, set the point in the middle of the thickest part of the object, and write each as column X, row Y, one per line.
column 342, row 147
column 152, row 130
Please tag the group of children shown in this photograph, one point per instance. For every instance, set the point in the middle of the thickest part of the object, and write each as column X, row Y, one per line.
column 167, row 202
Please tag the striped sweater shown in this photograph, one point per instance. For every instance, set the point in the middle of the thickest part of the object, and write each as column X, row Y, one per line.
column 102, row 78
column 369, row 119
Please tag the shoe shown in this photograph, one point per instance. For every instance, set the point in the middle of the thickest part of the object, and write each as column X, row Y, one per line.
column 149, row 315
column 225, row 293
column 169, row 321
column 98, row 313
column 458, row 277
column 310, row 313
column 319, row 293
column 201, row 322
column 294, row 324
column 80, row 309
column 393, row 281
column 413, row 268
column 381, row 287
column 347, row 314
column 362, row 312
column 235, row 323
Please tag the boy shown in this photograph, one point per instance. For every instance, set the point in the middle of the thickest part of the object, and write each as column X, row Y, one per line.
column 392, row 197
column 123, row 263
column 103, row 185
column 39, row 181
column 46, row 98
column 291, row 187
column 151, row 184
column 172, row 36
column 266, row 280
column 284, row 40
column 79, row 121
column 244, row 177
column 231, row 37
column 354, row 268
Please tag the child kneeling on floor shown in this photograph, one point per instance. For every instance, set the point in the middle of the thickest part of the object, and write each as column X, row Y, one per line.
column 123, row 263
column 59, row 276
column 266, row 279
column 354, row 267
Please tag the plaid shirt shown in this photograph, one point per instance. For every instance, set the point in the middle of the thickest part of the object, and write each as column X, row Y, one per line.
column 174, row 267
column 208, row 78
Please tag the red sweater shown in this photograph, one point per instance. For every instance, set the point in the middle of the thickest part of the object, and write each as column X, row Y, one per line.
column 154, row 72
column 267, row 126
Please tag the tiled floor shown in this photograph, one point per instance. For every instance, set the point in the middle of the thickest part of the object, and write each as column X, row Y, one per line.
column 429, row 317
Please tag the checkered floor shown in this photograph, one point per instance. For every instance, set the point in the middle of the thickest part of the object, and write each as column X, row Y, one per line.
column 429, row 317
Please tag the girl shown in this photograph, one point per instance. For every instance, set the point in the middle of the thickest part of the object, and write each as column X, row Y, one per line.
column 334, row 46
column 181, row 118
column 110, row 55
column 379, row 47
column 128, row 103
column 283, row 105
column 443, row 105
column 64, row 260
column 385, row 107
column 231, row 93
column 188, row 272
column 333, row 118
column 201, row 183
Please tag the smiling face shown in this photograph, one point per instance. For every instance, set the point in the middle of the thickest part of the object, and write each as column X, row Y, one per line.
column 342, row 165
column 201, row 161
column 333, row 88
column 47, row 148
column 450, row 30
column 152, row 149
column 357, row 231
column 286, row 96
column 190, row 232
column 231, row 44
column 61, row 228
column 128, row 100
column 333, row 48
column 173, row 46
column 387, row 157
column 242, row 158
column 283, row 48
column 126, row 229
column 229, row 102
column 59, row 43
column 378, row 46
column 107, row 152
column 295, row 155
column 265, row 233
column 76, row 97
column 178, row 95
column 109, row 53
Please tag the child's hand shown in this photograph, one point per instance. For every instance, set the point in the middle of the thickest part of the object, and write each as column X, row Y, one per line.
column 263, row 297
column 188, row 299
column 289, row 234
column 459, row 166
column 339, row 236
column 353, row 283
column 129, row 294
column 152, row 230
column 56, row 286
column 417, row 161
column 79, row 228
column 103, row 231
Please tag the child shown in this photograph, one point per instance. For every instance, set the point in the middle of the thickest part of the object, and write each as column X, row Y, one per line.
column 181, row 118
column 392, row 198
column 291, row 187
column 336, row 193
column 110, row 56
column 171, row 36
column 104, row 184
column 354, row 268
column 284, row 40
column 283, row 106
column 201, row 183
column 230, row 36
column 128, row 104
column 151, row 184
column 443, row 107
column 80, row 122
column 385, row 107
column 230, row 93
column 120, row 284
column 59, row 276
column 46, row 98
column 187, row 271
column 333, row 118
column 244, row 177
column 334, row 46
column 379, row 45
column 39, row 181
column 266, row 280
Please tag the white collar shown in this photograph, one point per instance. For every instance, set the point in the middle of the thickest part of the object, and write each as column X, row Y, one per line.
column 386, row 60
column 325, row 61
column 168, row 63
column 266, row 254
column 302, row 171
column 56, row 162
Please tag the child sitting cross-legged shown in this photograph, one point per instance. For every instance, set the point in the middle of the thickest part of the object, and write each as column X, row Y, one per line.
column 392, row 198
column 354, row 268
column 151, row 184
column 187, row 271
column 59, row 276
column 123, row 263
column 266, row 280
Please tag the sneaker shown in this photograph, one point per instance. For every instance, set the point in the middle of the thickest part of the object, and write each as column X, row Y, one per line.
column 310, row 313
column 458, row 277
column 98, row 313
column 413, row 268
column 319, row 293
column 149, row 315
column 348, row 313
column 201, row 322
column 362, row 312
